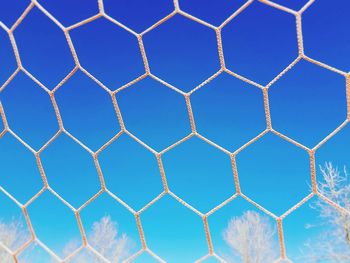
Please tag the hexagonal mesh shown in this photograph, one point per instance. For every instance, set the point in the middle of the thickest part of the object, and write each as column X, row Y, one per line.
column 159, row 154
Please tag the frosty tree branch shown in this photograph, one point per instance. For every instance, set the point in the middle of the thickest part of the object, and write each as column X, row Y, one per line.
column 251, row 238
column 104, row 237
column 12, row 235
column 333, row 245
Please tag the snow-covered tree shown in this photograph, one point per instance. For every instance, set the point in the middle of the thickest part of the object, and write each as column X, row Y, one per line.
column 250, row 237
column 12, row 235
column 106, row 240
column 333, row 244
column 104, row 237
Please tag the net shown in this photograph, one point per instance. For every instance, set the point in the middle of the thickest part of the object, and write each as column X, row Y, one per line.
column 187, row 96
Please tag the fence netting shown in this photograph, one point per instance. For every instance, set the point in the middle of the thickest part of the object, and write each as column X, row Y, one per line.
column 158, row 154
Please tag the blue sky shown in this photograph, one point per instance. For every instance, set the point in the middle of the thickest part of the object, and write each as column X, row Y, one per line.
column 306, row 104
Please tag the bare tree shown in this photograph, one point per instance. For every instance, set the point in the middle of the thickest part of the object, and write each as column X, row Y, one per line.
column 12, row 235
column 250, row 237
column 104, row 238
column 333, row 244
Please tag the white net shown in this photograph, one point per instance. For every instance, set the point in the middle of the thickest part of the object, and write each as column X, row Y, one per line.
column 124, row 130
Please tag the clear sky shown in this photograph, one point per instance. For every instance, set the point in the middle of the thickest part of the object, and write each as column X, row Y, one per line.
column 306, row 104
